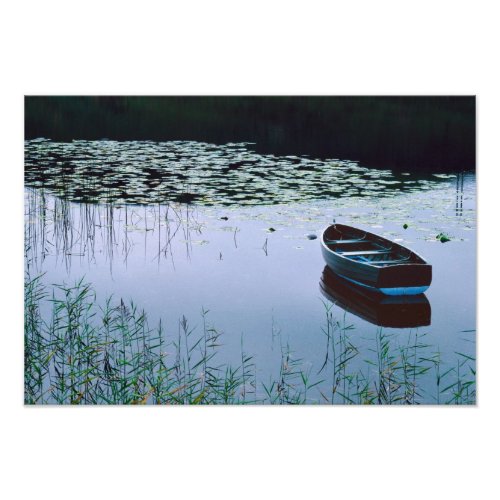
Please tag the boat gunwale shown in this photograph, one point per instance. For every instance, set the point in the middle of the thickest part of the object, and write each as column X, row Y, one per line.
column 372, row 264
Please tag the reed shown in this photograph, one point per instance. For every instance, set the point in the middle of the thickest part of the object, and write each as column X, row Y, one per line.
column 80, row 352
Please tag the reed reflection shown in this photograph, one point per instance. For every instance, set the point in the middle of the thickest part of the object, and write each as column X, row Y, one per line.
column 64, row 230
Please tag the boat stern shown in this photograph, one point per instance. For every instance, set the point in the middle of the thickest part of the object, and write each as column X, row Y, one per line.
column 409, row 279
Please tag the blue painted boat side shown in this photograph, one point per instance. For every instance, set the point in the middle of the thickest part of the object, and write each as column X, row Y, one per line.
column 407, row 290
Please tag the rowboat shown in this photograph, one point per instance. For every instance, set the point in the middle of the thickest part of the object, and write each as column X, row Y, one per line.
column 373, row 262
column 403, row 311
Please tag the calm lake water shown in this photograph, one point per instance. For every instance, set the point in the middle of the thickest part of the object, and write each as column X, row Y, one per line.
column 182, row 227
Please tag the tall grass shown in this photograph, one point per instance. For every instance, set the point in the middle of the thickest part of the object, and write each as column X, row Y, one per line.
column 78, row 352
column 394, row 372
column 86, row 354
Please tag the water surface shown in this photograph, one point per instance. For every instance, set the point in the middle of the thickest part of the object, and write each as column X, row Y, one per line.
column 182, row 227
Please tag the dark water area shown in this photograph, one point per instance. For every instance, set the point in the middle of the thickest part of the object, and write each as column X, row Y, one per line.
column 432, row 133
column 116, row 213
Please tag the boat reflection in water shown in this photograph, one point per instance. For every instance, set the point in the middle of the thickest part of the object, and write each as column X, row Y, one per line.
column 404, row 311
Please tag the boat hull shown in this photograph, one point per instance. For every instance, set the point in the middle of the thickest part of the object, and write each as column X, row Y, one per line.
column 394, row 291
column 412, row 278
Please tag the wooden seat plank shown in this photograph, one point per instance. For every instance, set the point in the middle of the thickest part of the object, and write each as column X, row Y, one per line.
column 396, row 261
column 337, row 242
column 365, row 252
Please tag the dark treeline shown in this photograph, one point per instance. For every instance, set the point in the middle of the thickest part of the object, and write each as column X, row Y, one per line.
column 416, row 132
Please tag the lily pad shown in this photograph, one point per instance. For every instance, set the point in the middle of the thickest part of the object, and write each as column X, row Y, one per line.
column 443, row 238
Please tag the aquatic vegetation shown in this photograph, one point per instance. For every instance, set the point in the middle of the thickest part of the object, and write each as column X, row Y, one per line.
column 82, row 353
column 443, row 238
column 85, row 354
column 147, row 173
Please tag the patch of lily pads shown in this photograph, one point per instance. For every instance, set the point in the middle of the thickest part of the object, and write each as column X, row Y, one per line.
column 148, row 173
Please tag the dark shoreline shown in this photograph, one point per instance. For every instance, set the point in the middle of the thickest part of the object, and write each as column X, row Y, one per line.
column 398, row 132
